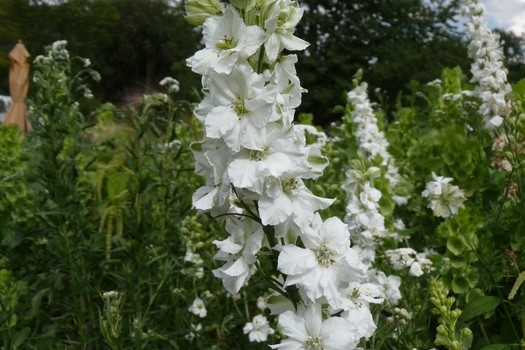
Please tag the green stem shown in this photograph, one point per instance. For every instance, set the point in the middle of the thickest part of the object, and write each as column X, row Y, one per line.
column 485, row 336
column 493, row 279
column 260, row 61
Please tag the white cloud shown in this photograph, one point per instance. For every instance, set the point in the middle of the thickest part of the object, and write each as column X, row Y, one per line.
column 506, row 14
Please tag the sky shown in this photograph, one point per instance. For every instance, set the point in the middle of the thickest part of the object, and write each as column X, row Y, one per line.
column 506, row 14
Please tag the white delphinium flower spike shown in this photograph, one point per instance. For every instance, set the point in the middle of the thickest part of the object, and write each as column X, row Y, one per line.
column 488, row 71
column 255, row 160
column 370, row 139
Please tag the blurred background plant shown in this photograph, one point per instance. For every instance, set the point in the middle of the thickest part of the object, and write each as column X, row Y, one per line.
column 97, row 200
column 135, row 43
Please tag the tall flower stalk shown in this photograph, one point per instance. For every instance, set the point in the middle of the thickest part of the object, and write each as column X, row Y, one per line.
column 488, row 71
column 373, row 188
column 254, row 159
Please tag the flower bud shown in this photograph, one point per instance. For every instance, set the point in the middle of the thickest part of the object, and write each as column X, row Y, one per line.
column 466, row 332
column 198, row 10
column 242, row 4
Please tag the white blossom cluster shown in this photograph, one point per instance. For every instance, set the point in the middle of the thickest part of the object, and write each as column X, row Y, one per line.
column 370, row 139
column 254, row 160
column 364, row 220
column 488, row 71
column 417, row 263
column 364, row 217
column 445, row 198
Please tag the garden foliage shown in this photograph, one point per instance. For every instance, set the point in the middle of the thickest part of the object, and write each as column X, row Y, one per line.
column 394, row 229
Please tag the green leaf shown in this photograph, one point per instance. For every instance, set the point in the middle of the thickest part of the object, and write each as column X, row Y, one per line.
column 497, row 347
column 479, row 306
column 455, row 245
column 36, row 301
column 19, row 337
column 460, row 285
column 12, row 238
column 457, row 262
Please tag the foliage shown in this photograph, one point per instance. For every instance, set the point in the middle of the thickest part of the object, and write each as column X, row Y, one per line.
column 387, row 41
column 94, row 201
column 100, row 247
column 447, row 336
column 132, row 43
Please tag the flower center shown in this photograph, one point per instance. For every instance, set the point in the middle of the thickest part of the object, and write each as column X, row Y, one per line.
column 314, row 344
column 240, row 108
column 325, row 255
column 225, row 43
column 290, row 185
column 257, row 155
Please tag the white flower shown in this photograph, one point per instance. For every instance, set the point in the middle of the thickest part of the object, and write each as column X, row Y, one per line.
column 389, row 285
column 417, row 263
column 289, row 198
column 238, row 107
column 192, row 257
column 280, row 26
column 279, row 155
column 198, row 308
column 306, row 330
column 261, row 303
column 239, row 252
column 288, row 86
column 326, row 262
column 211, row 161
column 227, row 40
column 370, row 197
column 445, row 198
column 258, row 330
column 171, row 84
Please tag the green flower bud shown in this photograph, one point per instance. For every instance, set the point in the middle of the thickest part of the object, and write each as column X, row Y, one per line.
column 242, row 4
column 198, row 10
column 442, row 330
column 466, row 332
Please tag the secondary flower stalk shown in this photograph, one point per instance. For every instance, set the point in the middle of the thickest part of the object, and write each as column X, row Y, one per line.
column 488, row 71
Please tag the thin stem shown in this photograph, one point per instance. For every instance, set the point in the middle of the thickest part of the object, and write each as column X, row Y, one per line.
column 235, row 214
column 485, row 336
column 493, row 279
column 260, row 61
